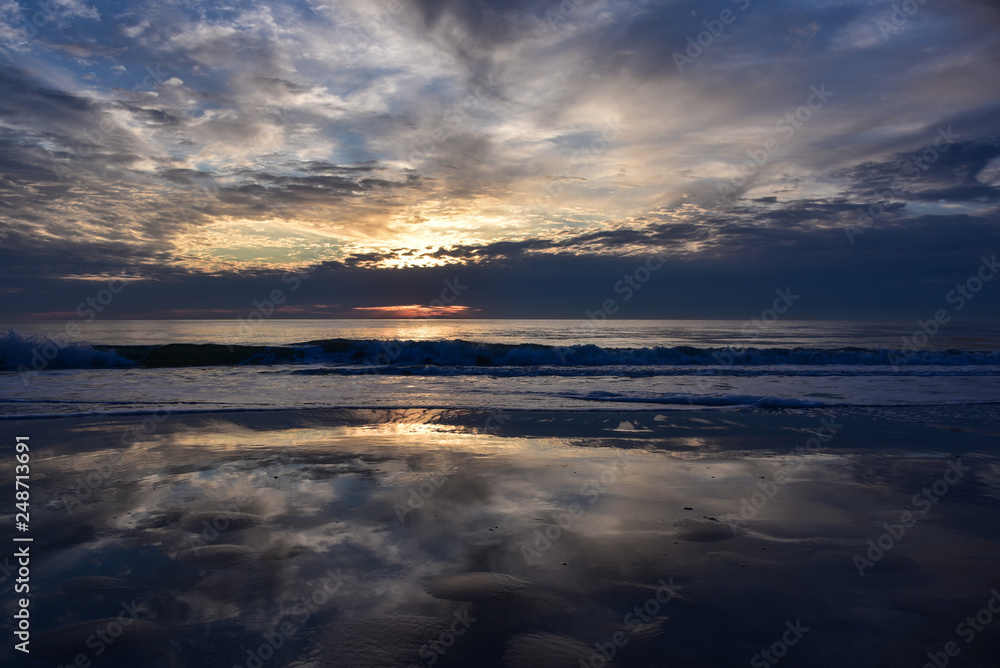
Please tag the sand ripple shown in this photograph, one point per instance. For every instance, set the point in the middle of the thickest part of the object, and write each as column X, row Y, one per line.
column 703, row 531
column 473, row 586
column 220, row 521
column 378, row 642
column 217, row 556
column 533, row 650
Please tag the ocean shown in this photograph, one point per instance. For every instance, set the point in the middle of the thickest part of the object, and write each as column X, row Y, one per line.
column 130, row 367
column 500, row 494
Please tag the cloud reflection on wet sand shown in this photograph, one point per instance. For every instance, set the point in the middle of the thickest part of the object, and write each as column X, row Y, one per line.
column 242, row 536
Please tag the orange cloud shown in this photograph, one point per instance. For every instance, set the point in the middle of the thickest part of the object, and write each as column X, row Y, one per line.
column 416, row 311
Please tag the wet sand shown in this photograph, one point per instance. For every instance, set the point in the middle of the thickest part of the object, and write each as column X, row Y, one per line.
column 461, row 538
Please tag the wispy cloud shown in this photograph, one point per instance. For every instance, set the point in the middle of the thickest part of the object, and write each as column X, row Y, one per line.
column 199, row 139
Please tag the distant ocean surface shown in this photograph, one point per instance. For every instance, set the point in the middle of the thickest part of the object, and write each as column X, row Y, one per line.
column 122, row 367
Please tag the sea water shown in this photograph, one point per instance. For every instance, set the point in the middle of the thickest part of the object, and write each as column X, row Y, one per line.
column 121, row 367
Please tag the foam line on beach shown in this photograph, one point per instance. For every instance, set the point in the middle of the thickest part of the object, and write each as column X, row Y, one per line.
column 778, row 404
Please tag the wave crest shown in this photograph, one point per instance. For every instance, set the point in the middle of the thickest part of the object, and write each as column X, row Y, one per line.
column 37, row 352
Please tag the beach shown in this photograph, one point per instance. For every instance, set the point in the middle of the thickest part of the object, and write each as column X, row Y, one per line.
column 496, row 334
column 392, row 537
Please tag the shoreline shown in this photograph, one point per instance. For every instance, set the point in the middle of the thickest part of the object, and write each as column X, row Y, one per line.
column 644, row 424
column 609, row 407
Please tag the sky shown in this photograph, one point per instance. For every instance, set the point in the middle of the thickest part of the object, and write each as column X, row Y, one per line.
column 488, row 158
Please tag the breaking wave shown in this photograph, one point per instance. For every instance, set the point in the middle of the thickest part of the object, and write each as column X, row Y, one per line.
column 34, row 352
column 454, row 357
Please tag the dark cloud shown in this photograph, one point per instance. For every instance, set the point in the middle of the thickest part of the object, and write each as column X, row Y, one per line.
column 472, row 26
column 199, row 145
column 943, row 172
column 895, row 273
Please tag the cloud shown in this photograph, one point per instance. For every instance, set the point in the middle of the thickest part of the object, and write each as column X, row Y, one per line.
column 947, row 171
column 205, row 140
column 414, row 311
